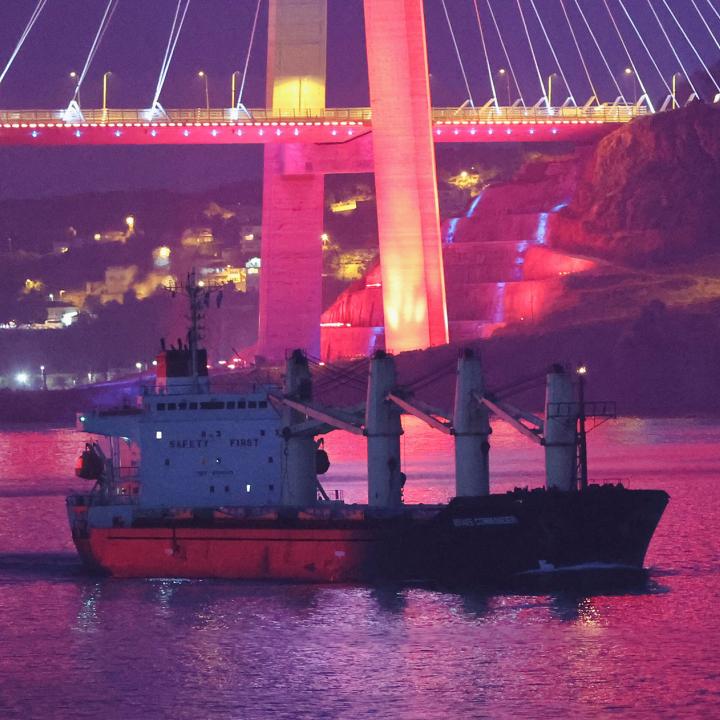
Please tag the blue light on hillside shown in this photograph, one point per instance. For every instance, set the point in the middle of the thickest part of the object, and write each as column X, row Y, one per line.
column 452, row 229
column 475, row 203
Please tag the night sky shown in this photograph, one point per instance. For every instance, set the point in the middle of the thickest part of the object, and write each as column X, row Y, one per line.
column 215, row 39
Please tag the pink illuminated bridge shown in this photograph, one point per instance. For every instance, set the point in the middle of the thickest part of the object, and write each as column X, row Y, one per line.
column 333, row 125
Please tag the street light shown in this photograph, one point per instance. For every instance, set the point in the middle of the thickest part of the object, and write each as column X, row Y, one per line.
column 675, row 103
column 629, row 72
column 504, row 74
column 233, row 80
column 43, row 375
column 549, row 93
column 105, row 89
column 203, row 76
column 73, row 77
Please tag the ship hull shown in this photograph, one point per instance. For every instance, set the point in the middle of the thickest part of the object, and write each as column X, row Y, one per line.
column 488, row 540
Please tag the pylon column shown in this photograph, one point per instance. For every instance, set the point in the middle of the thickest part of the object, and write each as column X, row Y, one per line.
column 292, row 219
column 405, row 177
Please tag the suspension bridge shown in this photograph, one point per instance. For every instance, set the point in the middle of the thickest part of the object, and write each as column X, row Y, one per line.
column 546, row 70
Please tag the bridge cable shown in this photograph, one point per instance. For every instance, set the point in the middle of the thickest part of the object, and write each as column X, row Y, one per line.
column 99, row 35
column 627, row 52
column 552, row 50
column 239, row 103
column 505, row 51
column 457, row 52
column 705, row 23
column 602, row 54
column 31, row 22
column 579, row 51
column 534, row 57
column 672, row 47
column 487, row 56
column 697, row 54
column 178, row 21
column 714, row 9
column 642, row 40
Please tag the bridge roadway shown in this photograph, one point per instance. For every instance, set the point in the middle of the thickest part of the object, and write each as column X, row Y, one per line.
column 329, row 126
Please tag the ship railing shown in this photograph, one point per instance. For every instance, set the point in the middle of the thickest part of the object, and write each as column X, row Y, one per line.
column 218, row 386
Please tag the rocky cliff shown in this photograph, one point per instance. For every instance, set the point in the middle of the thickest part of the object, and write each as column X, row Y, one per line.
column 649, row 192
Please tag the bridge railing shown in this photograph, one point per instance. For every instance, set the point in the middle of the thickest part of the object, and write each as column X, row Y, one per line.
column 603, row 113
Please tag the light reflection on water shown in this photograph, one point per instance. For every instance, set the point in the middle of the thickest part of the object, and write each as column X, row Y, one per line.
column 83, row 647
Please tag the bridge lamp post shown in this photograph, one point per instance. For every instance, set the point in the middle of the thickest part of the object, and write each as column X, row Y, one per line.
column 203, row 76
column 73, row 79
column 105, row 93
column 233, row 82
column 549, row 87
column 503, row 74
column 630, row 73
column 675, row 104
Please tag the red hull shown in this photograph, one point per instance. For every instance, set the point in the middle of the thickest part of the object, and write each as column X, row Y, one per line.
column 338, row 555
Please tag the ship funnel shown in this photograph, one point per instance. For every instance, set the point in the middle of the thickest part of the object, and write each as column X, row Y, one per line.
column 299, row 471
column 383, row 430
column 561, row 415
column 471, row 428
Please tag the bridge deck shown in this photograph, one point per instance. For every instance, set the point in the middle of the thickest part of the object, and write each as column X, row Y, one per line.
column 332, row 125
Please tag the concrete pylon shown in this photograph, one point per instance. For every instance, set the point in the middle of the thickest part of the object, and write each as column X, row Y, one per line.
column 292, row 218
column 405, row 177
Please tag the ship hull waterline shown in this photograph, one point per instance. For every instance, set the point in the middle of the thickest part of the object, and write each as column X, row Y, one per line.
column 469, row 541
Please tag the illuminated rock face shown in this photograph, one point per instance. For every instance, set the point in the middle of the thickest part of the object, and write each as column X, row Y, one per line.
column 650, row 191
column 499, row 266
column 406, row 185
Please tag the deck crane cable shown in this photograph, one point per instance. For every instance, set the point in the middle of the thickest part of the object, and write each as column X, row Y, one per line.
column 630, row 58
column 457, row 53
column 505, row 52
column 534, row 57
column 178, row 21
column 110, row 9
column 437, row 373
column 31, row 22
column 621, row 95
column 554, row 54
column 579, row 51
column 239, row 104
column 705, row 23
column 487, row 56
column 672, row 47
column 694, row 49
column 647, row 50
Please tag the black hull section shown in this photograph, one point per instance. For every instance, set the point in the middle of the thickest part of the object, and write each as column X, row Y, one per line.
column 496, row 539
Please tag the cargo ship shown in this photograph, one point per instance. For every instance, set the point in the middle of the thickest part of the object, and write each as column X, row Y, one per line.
column 191, row 482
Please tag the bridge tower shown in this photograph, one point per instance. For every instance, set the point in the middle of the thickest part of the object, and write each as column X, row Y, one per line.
column 292, row 219
column 405, row 178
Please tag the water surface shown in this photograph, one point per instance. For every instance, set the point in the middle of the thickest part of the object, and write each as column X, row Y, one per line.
column 75, row 646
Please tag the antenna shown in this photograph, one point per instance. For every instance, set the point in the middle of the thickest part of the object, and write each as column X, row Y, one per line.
column 198, row 293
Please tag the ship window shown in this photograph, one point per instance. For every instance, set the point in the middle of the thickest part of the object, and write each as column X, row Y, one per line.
column 161, row 406
column 231, row 405
column 227, row 488
column 271, row 488
column 172, row 406
column 218, row 461
column 167, row 461
column 182, row 406
column 241, row 404
column 158, row 434
column 212, row 488
column 252, row 404
column 248, row 487
column 271, row 459
column 193, row 406
column 262, row 433
column 262, row 404
column 212, row 405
